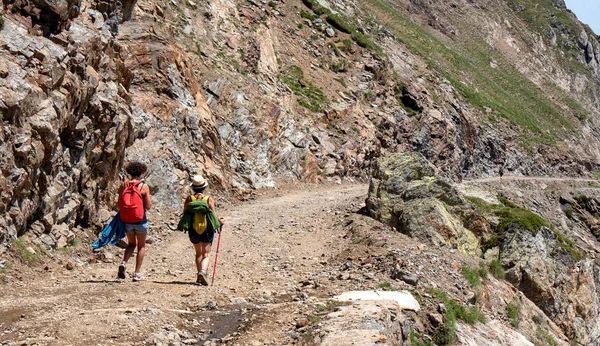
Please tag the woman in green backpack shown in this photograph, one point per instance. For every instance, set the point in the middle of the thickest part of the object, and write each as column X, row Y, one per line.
column 200, row 234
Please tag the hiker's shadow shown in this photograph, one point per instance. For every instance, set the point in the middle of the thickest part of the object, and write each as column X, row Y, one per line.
column 115, row 281
column 175, row 283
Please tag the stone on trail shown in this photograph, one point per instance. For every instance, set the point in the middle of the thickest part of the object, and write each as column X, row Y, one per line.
column 404, row 299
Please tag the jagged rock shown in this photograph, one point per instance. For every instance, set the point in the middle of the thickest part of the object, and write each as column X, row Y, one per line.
column 3, row 69
column 407, row 277
column 302, row 322
column 540, row 266
column 435, row 319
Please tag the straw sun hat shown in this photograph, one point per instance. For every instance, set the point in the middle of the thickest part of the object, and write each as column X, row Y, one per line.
column 198, row 181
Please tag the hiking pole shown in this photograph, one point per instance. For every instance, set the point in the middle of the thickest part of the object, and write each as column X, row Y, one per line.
column 216, row 256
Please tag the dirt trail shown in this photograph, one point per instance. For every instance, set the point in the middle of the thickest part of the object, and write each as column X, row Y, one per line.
column 268, row 246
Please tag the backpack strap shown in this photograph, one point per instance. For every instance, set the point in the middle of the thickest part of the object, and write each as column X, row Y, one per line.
column 204, row 198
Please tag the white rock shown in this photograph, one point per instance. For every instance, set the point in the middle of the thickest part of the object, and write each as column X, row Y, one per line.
column 404, row 299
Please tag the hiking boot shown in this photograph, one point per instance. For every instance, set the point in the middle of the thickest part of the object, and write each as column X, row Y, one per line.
column 201, row 279
column 122, row 272
column 139, row 277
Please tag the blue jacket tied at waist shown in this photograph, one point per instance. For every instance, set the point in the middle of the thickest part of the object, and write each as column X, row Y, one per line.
column 115, row 230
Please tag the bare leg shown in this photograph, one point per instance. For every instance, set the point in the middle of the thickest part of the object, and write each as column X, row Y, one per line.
column 202, row 254
column 141, row 246
column 131, row 244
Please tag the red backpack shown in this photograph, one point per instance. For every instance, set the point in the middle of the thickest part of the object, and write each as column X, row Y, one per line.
column 132, row 203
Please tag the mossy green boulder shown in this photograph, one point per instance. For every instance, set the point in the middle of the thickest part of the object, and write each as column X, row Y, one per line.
column 406, row 193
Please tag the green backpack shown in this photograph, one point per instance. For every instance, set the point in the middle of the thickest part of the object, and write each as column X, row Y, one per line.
column 200, row 224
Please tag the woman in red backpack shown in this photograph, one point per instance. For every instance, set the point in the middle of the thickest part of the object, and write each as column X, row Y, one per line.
column 134, row 200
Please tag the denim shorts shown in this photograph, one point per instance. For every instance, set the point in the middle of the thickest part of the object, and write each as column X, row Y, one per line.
column 131, row 228
column 206, row 237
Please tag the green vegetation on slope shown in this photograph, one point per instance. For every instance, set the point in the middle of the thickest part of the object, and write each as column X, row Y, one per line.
column 503, row 89
column 510, row 214
column 446, row 333
column 309, row 96
column 340, row 23
column 540, row 16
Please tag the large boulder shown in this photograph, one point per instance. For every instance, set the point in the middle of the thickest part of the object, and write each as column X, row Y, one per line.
column 406, row 193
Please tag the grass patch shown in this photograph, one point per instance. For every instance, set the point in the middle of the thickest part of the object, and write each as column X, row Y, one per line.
column 20, row 248
column 330, row 306
column 466, row 65
column 472, row 276
column 512, row 311
column 3, row 272
column 340, row 66
column 483, row 271
column 314, row 319
column 569, row 211
column 417, row 340
column 386, row 286
column 346, row 46
column 446, row 334
column 511, row 214
column 497, row 269
column 309, row 96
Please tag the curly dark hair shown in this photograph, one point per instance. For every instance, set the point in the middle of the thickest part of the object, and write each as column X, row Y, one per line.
column 136, row 168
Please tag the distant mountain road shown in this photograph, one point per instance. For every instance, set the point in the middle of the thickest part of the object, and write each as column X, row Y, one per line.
column 529, row 178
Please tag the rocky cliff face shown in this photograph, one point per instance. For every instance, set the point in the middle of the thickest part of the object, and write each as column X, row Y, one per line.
column 253, row 94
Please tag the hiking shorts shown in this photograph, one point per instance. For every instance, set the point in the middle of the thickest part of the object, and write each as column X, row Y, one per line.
column 131, row 228
column 206, row 237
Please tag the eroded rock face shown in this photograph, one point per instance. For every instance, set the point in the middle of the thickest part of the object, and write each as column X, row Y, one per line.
column 565, row 289
column 406, row 193
column 47, row 16
column 66, row 124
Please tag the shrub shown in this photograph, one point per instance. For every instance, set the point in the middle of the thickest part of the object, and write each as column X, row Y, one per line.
column 483, row 272
column 569, row 211
column 416, row 340
column 346, row 45
column 446, row 334
column 497, row 269
column 512, row 311
column 472, row 276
